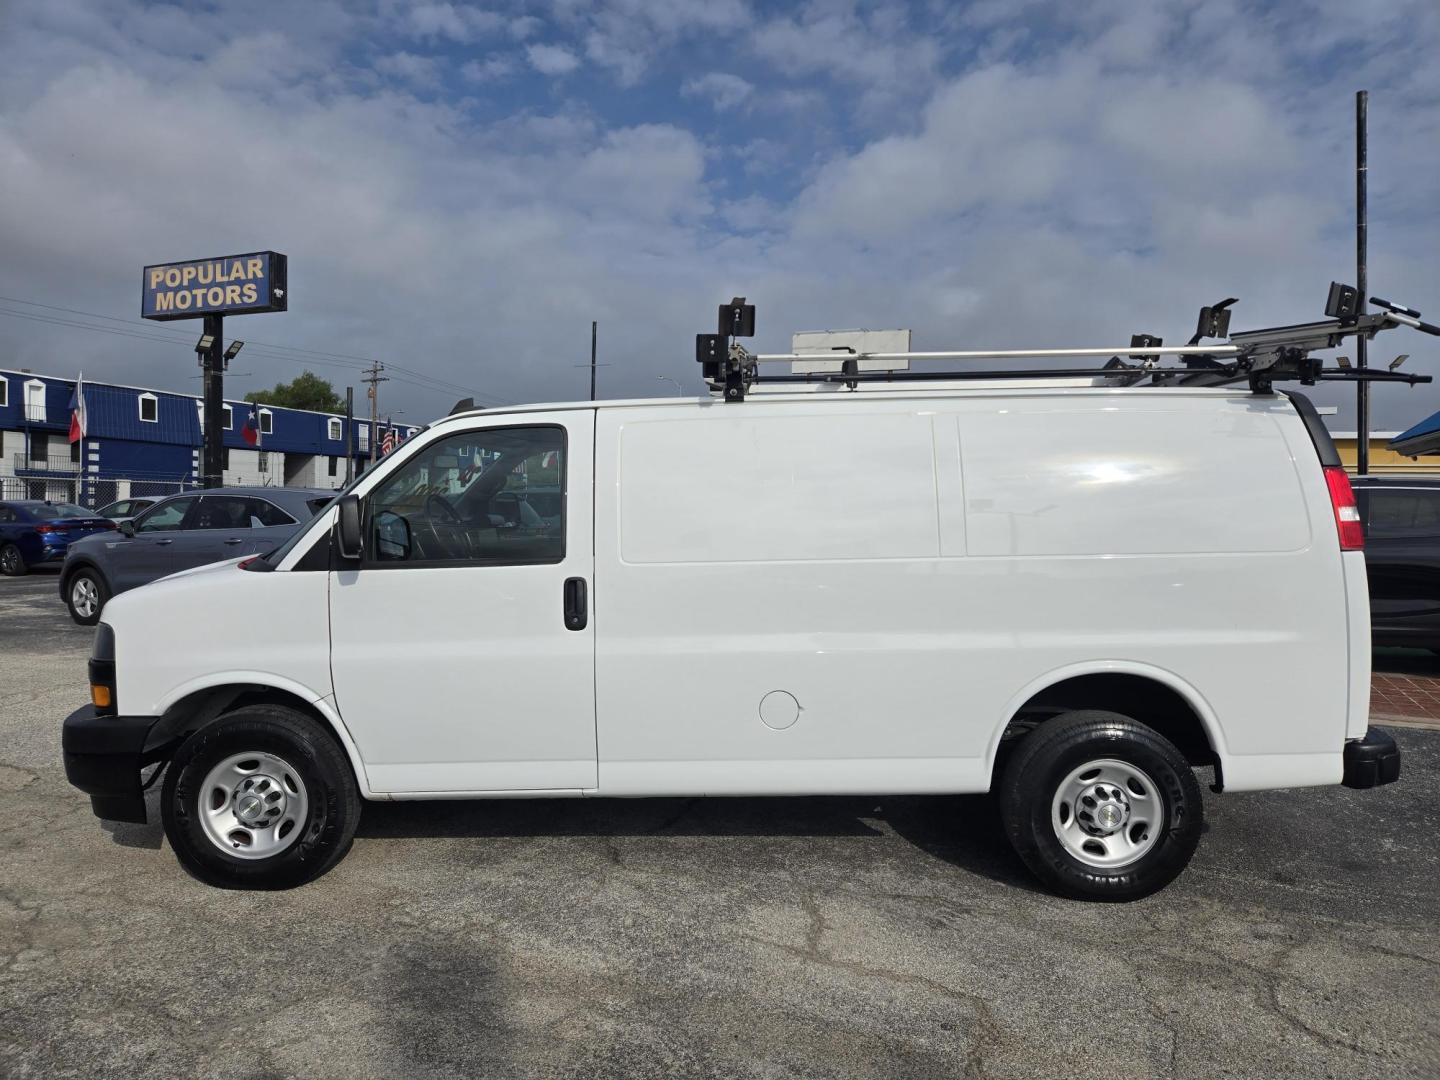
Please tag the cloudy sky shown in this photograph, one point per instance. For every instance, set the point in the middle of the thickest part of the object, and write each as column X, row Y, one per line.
column 462, row 188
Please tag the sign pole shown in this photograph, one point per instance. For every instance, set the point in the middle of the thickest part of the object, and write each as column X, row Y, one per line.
column 213, row 463
column 349, row 434
column 1362, row 388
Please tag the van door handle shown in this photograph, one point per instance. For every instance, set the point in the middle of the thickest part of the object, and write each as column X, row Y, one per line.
column 234, row 540
column 164, row 541
column 576, row 615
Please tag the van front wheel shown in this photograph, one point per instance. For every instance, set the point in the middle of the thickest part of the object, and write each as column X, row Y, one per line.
column 262, row 798
column 1101, row 807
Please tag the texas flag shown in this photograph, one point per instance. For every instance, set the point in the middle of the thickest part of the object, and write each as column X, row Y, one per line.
column 79, row 415
column 251, row 431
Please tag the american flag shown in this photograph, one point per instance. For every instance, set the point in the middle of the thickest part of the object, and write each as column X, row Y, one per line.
column 389, row 443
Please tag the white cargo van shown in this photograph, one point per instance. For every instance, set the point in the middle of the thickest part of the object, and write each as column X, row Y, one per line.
column 1070, row 594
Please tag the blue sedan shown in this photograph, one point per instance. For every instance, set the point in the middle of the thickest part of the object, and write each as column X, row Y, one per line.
column 33, row 532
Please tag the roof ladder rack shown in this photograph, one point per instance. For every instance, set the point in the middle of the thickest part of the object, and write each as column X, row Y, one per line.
column 1258, row 357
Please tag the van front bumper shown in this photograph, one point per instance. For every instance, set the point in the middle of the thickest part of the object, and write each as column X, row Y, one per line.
column 1371, row 761
column 103, row 758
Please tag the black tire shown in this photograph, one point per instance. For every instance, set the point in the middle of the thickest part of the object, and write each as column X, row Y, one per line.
column 102, row 595
column 12, row 563
column 321, row 770
column 1051, row 754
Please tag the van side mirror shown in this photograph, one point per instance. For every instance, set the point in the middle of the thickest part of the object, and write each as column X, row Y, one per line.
column 128, row 528
column 347, row 527
column 392, row 536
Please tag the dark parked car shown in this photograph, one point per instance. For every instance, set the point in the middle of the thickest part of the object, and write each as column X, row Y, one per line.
column 1401, row 515
column 33, row 531
column 125, row 509
column 178, row 533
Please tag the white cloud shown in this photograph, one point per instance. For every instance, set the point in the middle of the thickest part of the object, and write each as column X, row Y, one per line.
column 440, row 21
column 410, row 67
column 722, row 89
column 552, row 59
column 491, row 69
column 1080, row 170
column 627, row 36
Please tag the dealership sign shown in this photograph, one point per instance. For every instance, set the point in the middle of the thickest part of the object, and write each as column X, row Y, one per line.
column 232, row 285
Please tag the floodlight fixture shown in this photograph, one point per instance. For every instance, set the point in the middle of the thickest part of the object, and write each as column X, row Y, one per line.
column 1399, row 360
column 1343, row 361
column 205, row 343
column 233, row 350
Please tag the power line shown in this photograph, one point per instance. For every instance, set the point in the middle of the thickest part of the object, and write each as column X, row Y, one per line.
column 360, row 363
column 133, row 329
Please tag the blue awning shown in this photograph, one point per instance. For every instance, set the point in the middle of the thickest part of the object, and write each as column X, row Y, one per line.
column 1423, row 438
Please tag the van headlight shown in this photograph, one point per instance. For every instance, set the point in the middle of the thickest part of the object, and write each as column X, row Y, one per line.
column 102, row 671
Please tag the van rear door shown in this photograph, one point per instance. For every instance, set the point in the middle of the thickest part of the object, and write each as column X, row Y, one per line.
column 462, row 653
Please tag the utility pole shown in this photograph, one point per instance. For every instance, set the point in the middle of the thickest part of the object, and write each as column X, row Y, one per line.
column 1362, row 388
column 593, row 325
column 374, row 378
column 349, row 434
column 212, row 466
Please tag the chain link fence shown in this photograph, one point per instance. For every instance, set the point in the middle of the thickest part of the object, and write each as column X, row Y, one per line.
column 90, row 492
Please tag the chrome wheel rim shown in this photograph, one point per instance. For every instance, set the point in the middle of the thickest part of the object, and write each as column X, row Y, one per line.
column 9, row 559
column 85, row 597
column 1108, row 813
column 253, row 805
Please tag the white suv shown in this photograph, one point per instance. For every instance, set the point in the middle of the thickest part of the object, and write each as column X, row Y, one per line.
column 1070, row 595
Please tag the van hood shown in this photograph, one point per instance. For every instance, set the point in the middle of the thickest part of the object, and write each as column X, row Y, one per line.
column 161, row 593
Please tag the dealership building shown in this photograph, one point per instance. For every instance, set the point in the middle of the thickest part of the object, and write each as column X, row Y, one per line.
column 142, row 442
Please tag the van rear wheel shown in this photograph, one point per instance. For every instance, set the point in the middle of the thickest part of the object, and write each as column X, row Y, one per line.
column 1101, row 807
column 262, row 798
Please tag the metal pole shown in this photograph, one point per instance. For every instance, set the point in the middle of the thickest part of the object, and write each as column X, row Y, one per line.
column 593, row 325
column 1362, row 389
column 375, row 379
column 349, row 434
column 212, row 457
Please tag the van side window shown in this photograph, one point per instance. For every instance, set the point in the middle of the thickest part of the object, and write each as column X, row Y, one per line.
column 489, row 497
column 1402, row 514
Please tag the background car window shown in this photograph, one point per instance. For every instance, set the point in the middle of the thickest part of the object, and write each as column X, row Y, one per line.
column 222, row 512
column 265, row 515
column 167, row 517
column 1403, row 513
column 492, row 496
column 7, row 515
column 56, row 511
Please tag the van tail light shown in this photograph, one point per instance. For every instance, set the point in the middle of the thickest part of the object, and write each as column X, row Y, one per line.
column 45, row 528
column 1347, row 514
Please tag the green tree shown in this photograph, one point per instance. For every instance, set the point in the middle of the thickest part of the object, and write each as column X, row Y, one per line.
column 306, row 391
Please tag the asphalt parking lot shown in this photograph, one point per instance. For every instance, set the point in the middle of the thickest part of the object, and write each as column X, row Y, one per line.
column 747, row 937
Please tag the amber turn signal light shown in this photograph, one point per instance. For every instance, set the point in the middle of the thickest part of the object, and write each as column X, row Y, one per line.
column 100, row 696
